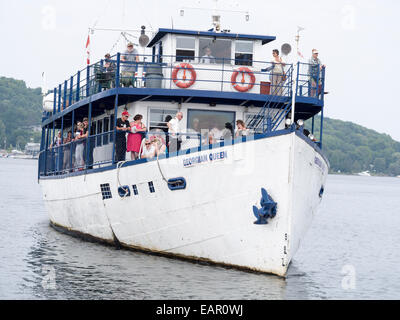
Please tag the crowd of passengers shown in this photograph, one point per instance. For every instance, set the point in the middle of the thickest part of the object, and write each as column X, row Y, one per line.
column 134, row 138
column 141, row 145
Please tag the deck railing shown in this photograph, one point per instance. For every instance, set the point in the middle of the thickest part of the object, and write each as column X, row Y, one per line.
column 168, row 72
column 98, row 150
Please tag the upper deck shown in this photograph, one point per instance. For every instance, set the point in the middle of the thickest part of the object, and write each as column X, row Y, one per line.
column 189, row 66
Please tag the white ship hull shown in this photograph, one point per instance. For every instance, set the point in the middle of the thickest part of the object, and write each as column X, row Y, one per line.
column 212, row 219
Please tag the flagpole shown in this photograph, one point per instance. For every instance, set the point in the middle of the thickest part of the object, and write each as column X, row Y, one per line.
column 295, row 74
column 88, row 49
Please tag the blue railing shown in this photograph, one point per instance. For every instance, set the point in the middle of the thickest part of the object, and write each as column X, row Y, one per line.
column 224, row 76
column 310, row 81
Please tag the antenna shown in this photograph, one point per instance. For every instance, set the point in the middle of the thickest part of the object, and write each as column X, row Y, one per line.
column 44, row 84
column 295, row 75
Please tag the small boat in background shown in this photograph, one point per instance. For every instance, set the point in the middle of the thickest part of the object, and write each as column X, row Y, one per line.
column 364, row 174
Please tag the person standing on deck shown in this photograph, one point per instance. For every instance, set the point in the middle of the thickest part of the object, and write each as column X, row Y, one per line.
column 122, row 128
column 314, row 68
column 174, row 126
column 128, row 66
column 278, row 72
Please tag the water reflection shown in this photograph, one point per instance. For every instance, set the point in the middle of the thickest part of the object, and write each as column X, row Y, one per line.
column 84, row 270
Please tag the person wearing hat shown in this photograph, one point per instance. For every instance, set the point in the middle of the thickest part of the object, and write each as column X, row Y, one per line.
column 109, row 71
column 314, row 67
column 122, row 128
column 128, row 66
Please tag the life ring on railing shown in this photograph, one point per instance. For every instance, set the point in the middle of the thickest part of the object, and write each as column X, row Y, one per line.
column 241, row 87
column 184, row 84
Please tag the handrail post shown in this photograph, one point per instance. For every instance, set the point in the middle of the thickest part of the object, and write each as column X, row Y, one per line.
column 312, row 125
column 59, row 99
column 78, row 88
column 87, row 81
column 118, row 70
column 46, row 147
column 322, row 126
column 115, row 127
column 101, row 70
column 71, row 87
column 87, row 164
column 60, row 152
column 71, row 143
column 65, row 95
column 223, row 69
column 317, row 85
column 323, row 84
column 55, row 101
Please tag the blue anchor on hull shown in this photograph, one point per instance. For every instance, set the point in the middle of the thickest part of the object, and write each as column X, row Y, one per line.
column 268, row 208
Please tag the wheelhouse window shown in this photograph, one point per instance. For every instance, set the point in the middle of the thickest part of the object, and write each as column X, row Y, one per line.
column 215, row 51
column 159, row 118
column 106, row 128
column 185, row 48
column 244, row 53
column 112, row 128
column 215, row 123
column 99, row 132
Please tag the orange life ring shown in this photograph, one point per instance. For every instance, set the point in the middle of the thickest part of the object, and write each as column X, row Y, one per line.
column 242, row 87
column 182, row 83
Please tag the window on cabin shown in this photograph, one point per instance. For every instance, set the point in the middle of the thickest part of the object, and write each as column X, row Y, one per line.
column 213, row 122
column 99, row 132
column 159, row 118
column 244, row 53
column 185, row 48
column 106, row 128
column 215, row 51
column 112, row 128
column 93, row 131
column 159, row 52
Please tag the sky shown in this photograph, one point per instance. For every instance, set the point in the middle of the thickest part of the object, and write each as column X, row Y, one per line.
column 358, row 41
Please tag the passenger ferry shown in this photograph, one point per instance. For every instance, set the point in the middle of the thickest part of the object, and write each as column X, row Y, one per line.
column 239, row 201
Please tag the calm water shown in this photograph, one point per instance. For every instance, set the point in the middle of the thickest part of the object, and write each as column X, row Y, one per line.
column 352, row 251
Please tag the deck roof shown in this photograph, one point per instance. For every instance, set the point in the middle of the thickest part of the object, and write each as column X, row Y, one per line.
column 162, row 32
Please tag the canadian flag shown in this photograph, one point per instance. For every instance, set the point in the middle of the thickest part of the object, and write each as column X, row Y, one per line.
column 88, row 49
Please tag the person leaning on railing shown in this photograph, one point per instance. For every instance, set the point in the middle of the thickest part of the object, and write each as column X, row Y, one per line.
column 174, row 130
column 123, row 126
column 277, row 74
column 67, row 151
column 128, row 65
column 109, row 68
column 242, row 130
column 135, row 136
column 314, row 68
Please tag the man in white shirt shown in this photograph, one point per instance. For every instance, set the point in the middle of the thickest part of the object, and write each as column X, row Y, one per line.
column 174, row 129
column 207, row 58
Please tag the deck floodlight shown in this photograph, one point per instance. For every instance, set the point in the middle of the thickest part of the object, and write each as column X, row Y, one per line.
column 286, row 48
column 143, row 39
column 288, row 122
column 300, row 122
column 311, row 136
